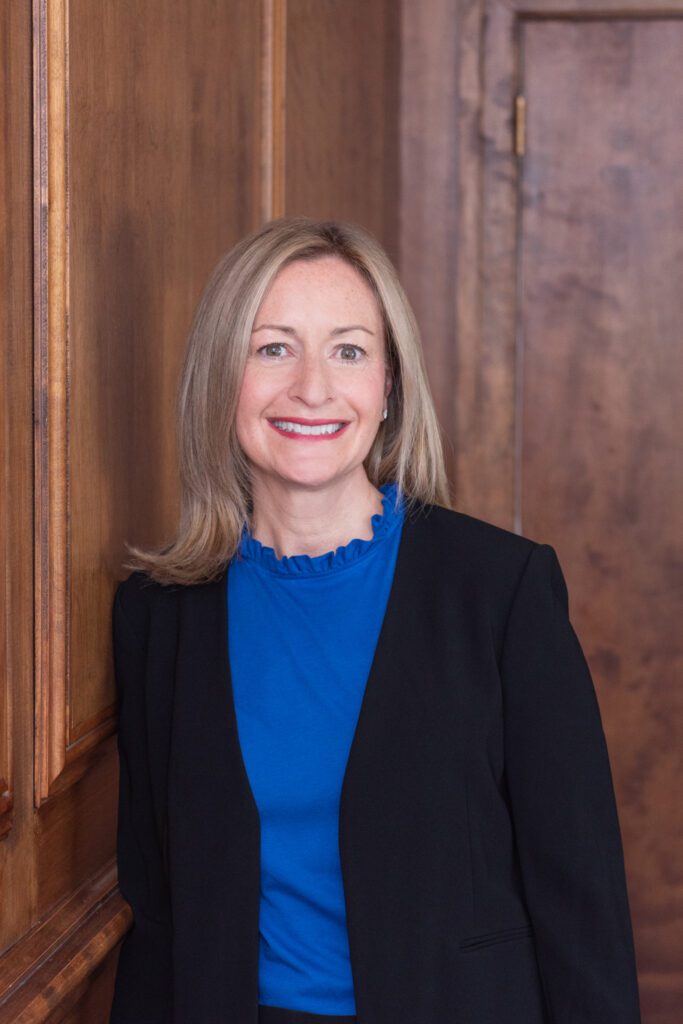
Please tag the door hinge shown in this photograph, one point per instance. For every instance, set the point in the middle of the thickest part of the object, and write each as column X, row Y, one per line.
column 520, row 125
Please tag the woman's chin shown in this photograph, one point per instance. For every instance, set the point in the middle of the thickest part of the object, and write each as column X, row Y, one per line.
column 309, row 475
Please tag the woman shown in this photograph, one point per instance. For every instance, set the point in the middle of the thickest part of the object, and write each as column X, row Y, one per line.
column 363, row 771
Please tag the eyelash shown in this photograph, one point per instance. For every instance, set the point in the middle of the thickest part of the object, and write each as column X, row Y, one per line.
column 281, row 343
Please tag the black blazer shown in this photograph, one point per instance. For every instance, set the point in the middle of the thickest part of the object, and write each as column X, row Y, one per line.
column 479, row 840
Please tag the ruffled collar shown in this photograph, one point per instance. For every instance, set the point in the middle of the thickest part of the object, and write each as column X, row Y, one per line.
column 383, row 523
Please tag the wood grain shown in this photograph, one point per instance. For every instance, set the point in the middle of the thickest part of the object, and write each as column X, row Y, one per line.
column 601, row 314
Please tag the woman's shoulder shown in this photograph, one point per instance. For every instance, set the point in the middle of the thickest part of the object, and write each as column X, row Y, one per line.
column 479, row 560
column 471, row 540
column 136, row 588
column 134, row 597
column 131, row 602
column 139, row 593
column 139, row 588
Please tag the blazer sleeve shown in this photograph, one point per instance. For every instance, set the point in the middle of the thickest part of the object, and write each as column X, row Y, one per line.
column 563, row 807
column 143, row 982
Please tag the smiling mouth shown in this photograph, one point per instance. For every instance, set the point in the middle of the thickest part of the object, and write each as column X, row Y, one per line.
column 325, row 428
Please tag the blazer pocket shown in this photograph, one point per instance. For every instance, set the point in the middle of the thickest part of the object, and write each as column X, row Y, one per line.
column 490, row 938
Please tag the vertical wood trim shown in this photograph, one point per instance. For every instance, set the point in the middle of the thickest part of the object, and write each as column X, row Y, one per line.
column 520, row 125
column 486, row 254
column 274, row 91
column 16, row 514
column 520, row 143
column 429, row 103
column 471, row 453
column 51, row 381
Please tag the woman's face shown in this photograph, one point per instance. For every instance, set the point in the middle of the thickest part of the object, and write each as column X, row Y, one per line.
column 316, row 357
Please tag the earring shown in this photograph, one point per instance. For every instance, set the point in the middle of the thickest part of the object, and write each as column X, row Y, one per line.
column 384, row 414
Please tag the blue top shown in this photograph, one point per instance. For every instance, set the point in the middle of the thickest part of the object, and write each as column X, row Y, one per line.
column 302, row 635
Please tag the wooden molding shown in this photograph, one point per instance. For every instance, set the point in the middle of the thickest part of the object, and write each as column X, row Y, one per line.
column 590, row 8
column 50, row 386
column 59, row 758
column 274, row 93
column 49, row 966
column 6, row 805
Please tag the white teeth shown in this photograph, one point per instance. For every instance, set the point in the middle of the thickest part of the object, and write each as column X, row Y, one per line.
column 299, row 428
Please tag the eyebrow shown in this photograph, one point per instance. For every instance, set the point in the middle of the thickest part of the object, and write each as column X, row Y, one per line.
column 333, row 333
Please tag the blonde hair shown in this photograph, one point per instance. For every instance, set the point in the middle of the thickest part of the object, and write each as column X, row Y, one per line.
column 215, row 501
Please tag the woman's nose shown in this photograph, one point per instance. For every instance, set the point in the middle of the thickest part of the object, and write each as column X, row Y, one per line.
column 311, row 380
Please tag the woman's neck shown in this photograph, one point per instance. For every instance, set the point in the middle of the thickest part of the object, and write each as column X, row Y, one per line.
column 297, row 520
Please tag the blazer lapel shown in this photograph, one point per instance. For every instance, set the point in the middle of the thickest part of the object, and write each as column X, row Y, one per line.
column 214, row 829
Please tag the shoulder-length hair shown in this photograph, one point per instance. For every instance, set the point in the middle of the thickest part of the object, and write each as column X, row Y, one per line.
column 215, row 499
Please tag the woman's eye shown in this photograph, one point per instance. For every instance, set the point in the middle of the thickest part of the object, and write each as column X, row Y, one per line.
column 353, row 348
column 350, row 353
column 271, row 344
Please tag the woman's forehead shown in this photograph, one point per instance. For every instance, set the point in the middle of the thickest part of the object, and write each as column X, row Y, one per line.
column 323, row 283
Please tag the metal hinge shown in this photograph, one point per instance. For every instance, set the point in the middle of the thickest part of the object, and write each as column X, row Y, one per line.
column 520, row 125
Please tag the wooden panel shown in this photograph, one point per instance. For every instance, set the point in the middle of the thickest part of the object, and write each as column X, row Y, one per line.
column 485, row 287
column 177, row 126
column 601, row 417
column 342, row 113
column 139, row 196
column 430, row 96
